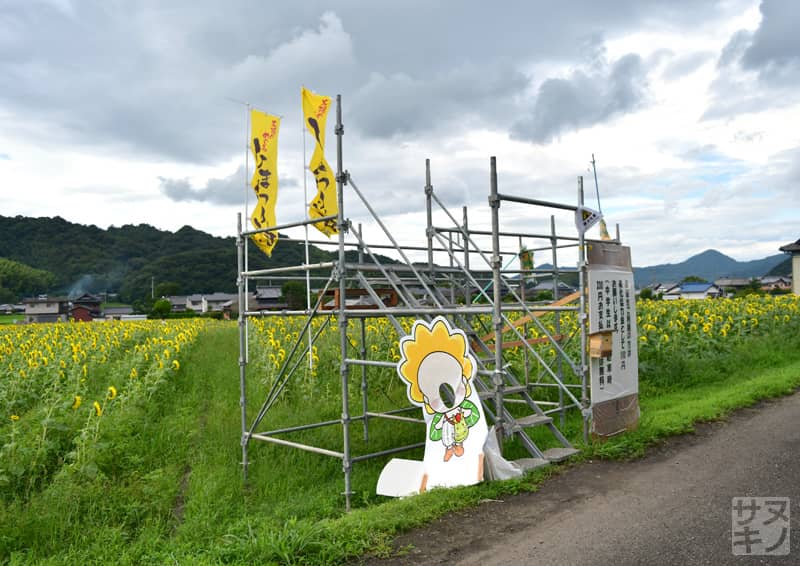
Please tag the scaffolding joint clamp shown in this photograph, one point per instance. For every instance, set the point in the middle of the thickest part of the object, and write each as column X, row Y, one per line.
column 494, row 201
column 339, row 130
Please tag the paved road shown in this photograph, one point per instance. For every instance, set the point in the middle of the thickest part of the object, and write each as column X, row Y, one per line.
column 672, row 507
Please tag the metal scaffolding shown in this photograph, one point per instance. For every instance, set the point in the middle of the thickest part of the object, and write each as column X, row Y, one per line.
column 463, row 279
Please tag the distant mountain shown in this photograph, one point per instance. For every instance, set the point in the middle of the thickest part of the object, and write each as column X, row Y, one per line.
column 783, row 268
column 709, row 265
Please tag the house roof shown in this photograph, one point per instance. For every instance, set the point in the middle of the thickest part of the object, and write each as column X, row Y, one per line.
column 696, row 287
column 268, row 292
column 791, row 248
column 45, row 300
column 774, row 279
column 87, row 298
column 118, row 310
column 215, row 297
column 733, row 282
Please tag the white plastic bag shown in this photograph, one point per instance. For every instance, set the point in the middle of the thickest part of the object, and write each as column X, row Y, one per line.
column 495, row 467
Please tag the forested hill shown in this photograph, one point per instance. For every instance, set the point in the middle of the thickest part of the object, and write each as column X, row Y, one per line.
column 123, row 260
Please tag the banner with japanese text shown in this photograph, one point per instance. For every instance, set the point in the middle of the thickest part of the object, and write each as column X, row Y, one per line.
column 315, row 116
column 264, row 144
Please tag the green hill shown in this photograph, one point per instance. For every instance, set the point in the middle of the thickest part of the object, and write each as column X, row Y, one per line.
column 126, row 259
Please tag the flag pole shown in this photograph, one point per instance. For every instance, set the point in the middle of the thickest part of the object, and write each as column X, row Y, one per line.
column 305, row 226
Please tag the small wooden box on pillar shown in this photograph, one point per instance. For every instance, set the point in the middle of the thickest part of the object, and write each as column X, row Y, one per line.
column 600, row 345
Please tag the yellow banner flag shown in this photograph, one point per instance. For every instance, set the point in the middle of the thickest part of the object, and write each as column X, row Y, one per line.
column 315, row 115
column 264, row 144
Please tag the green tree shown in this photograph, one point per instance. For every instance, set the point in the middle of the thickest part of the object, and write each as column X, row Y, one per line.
column 646, row 293
column 161, row 308
column 294, row 293
column 18, row 280
column 167, row 288
column 693, row 279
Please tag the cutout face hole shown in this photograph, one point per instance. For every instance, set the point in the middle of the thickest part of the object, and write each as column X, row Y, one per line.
column 447, row 395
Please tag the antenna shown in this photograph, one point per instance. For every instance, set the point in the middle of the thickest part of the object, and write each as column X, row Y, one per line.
column 603, row 228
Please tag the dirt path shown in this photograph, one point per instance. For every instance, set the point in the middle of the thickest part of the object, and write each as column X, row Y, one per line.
column 671, row 507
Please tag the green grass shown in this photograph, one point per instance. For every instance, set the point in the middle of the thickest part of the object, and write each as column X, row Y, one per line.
column 166, row 487
column 11, row 318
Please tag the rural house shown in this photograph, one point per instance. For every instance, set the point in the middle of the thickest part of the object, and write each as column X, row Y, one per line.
column 86, row 307
column 46, row 309
column 776, row 283
column 694, row 291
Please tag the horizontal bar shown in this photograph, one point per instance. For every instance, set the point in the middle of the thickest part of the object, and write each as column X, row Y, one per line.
column 510, row 234
column 291, row 444
column 300, row 427
column 555, row 385
column 523, row 200
column 371, row 246
column 374, row 363
column 304, row 267
column 387, row 452
column 289, row 225
column 403, row 311
column 259, row 314
column 395, row 417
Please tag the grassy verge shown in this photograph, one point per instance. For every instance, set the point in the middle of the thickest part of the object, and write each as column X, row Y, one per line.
column 11, row 318
column 167, row 486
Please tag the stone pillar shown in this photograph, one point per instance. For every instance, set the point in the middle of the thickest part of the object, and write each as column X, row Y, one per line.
column 796, row 274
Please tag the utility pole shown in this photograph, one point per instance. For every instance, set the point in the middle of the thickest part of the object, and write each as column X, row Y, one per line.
column 153, row 288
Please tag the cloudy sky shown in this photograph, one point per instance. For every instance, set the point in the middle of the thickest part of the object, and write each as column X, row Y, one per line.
column 117, row 112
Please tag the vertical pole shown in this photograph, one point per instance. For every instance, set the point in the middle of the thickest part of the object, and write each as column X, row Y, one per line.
column 305, row 227
column 557, row 317
column 450, row 256
column 364, row 402
column 497, row 320
column 429, row 215
column 465, row 228
column 523, row 282
column 343, row 368
column 618, row 238
column 583, row 319
column 242, row 342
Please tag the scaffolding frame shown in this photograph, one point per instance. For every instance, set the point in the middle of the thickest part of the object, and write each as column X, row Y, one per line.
column 416, row 285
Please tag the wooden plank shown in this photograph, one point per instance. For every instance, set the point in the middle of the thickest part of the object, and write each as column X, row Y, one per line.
column 528, row 317
column 517, row 343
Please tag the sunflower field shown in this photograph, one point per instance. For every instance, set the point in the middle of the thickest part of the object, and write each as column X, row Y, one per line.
column 60, row 384
column 671, row 335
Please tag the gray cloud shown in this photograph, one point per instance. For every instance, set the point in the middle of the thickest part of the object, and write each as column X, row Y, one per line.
column 156, row 79
column 759, row 69
column 400, row 104
column 227, row 191
column 776, row 44
column 5, row 157
column 585, row 98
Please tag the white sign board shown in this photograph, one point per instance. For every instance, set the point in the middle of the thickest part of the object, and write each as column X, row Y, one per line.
column 612, row 307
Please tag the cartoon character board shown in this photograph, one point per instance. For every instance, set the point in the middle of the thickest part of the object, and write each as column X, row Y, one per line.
column 438, row 370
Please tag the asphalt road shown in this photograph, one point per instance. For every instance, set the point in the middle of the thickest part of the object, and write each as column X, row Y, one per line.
column 672, row 507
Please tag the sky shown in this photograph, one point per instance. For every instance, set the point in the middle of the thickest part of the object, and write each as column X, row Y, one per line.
column 134, row 112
